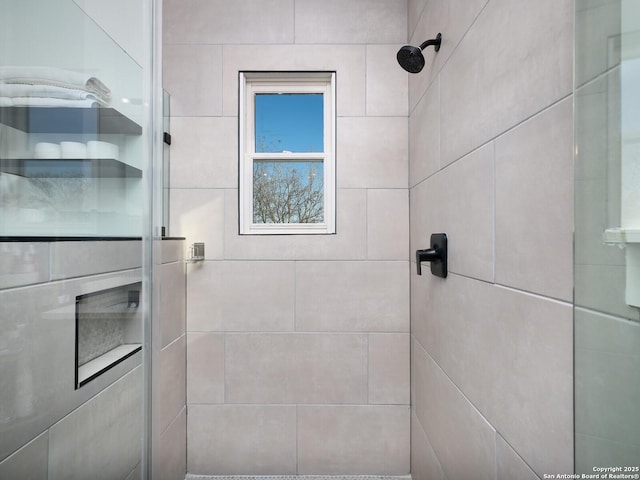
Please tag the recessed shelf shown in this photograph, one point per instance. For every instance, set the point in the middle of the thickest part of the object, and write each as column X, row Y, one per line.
column 69, row 168
column 97, row 366
column 96, row 120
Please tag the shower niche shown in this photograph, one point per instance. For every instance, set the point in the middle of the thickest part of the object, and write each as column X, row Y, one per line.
column 108, row 330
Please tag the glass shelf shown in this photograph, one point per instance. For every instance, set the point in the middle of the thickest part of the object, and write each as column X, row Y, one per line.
column 97, row 120
column 69, row 168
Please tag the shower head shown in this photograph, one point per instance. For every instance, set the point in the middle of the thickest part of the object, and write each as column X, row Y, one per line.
column 411, row 58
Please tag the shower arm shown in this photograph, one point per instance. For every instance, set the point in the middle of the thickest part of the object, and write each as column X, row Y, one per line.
column 434, row 41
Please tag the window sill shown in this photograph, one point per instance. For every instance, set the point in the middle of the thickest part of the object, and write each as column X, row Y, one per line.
column 621, row 235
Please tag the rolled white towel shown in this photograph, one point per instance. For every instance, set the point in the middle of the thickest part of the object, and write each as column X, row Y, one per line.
column 46, row 102
column 56, row 77
column 46, row 91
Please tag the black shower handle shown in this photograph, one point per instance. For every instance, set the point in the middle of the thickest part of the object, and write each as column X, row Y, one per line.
column 436, row 255
column 429, row 255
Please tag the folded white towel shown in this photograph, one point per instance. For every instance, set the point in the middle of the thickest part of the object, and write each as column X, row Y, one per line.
column 56, row 77
column 46, row 91
column 46, row 102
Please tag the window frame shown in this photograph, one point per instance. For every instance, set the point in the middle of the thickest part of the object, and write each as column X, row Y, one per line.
column 252, row 83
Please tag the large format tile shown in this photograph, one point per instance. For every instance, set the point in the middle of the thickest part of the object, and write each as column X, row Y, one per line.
column 387, row 88
column 498, row 76
column 462, row 439
column 241, row 296
column 452, row 18
column 219, row 21
column 424, row 462
column 534, row 204
column 459, row 201
column 607, row 394
column 389, row 368
column 414, row 12
column 39, row 323
column 296, row 368
column 599, row 332
column 356, row 21
column 23, row 263
column 387, row 224
column 353, row 440
column 241, row 440
column 28, row 463
column 171, row 250
column 173, row 302
column 352, row 296
column 204, row 152
column 205, row 367
column 602, row 288
column 172, row 464
column 173, row 381
column 519, row 345
column 101, row 439
column 597, row 30
column 349, row 61
column 75, row 259
column 509, row 465
column 198, row 215
column 192, row 74
column 366, row 162
column 424, row 136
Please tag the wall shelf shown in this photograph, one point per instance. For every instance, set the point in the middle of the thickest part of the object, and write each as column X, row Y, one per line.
column 69, row 168
column 97, row 120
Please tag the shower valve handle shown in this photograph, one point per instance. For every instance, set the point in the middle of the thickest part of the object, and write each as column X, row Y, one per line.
column 436, row 255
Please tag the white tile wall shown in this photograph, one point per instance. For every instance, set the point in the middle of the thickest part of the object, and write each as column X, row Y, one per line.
column 387, row 224
column 296, row 368
column 424, row 466
column 353, row 440
column 241, row 296
column 534, row 167
column 424, row 136
column 23, row 263
column 173, row 450
column 356, row 21
column 219, row 21
column 492, row 99
column 204, row 152
column 490, row 159
column 389, row 368
column 372, row 152
column 101, row 439
column 352, row 296
column 454, row 427
column 509, row 465
column 275, row 322
column 387, row 87
column 173, row 381
column 241, row 439
column 28, row 463
column 198, row 215
column 192, row 74
column 205, row 368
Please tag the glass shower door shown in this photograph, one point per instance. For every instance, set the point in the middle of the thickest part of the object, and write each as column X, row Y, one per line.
column 607, row 236
column 74, row 157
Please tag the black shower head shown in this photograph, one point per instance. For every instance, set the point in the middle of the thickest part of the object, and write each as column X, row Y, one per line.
column 411, row 58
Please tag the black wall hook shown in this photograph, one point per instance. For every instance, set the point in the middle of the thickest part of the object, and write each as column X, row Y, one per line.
column 436, row 255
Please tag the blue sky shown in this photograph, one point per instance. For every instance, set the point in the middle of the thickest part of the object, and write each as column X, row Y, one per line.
column 289, row 122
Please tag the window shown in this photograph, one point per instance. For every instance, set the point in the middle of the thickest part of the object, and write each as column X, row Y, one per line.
column 287, row 159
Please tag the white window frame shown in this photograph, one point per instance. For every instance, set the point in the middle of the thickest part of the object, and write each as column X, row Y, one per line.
column 252, row 83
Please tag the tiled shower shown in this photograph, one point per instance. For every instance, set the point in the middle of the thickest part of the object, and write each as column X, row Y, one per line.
column 283, row 355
